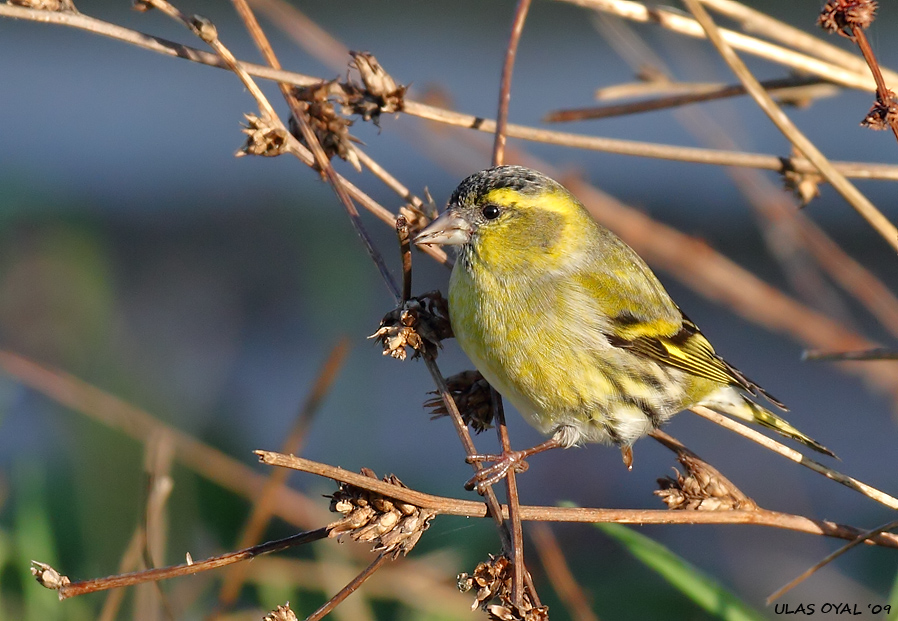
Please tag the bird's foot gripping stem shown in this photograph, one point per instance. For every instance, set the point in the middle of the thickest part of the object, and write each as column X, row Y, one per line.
column 502, row 464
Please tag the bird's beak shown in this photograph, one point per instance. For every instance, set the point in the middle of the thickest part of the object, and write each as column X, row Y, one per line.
column 450, row 229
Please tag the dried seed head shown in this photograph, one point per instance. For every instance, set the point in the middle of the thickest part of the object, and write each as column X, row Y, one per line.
column 841, row 15
column 421, row 323
column 48, row 577
column 263, row 137
column 883, row 114
column 330, row 128
column 492, row 580
column 704, row 488
column 471, row 393
column 281, row 613
column 204, row 28
column 393, row 527
column 805, row 186
column 380, row 93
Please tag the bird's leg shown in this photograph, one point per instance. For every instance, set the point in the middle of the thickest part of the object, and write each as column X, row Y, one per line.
column 502, row 464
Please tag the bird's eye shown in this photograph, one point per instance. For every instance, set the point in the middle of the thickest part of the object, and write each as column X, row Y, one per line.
column 490, row 212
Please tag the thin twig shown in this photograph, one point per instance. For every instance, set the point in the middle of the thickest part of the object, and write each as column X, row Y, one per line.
column 405, row 254
column 708, row 93
column 517, row 27
column 877, row 353
column 830, row 558
column 681, row 24
column 793, row 455
column 350, row 588
column 753, row 20
column 858, row 201
column 464, row 435
column 514, row 503
column 164, row 573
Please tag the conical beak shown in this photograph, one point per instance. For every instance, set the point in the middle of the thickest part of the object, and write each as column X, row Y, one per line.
column 450, row 229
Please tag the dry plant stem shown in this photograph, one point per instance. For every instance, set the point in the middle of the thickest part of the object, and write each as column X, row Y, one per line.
column 830, row 558
column 672, row 101
column 264, row 504
column 469, row 508
column 792, row 454
column 878, row 353
column 113, row 582
column 858, row 170
column 517, row 27
column 391, row 182
column 405, row 254
column 883, row 94
column 753, row 20
column 559, row 573
column 495, row 509
column 350, row 588
column 514, row 503
column 645, row 149
column 323, row 162
column 148, row 42
column 851, row 194
column 679, row 23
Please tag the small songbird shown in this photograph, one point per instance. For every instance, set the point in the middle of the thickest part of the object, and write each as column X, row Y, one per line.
column 569, row 324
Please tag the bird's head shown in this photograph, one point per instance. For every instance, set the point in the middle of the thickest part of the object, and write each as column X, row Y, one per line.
column 508, row 217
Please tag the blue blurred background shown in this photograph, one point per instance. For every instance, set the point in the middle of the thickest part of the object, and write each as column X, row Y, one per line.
column 139, row 255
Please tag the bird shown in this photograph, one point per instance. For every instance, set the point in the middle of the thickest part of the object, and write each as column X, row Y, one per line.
column 571, row 326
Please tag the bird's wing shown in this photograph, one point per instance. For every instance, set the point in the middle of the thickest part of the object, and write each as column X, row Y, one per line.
column 625, row 289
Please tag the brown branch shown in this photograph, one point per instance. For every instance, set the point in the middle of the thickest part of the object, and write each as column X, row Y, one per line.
column 514, row 503
column 350, row 588
column 469, row 508
column 708, row 93
column 517, row 27
column 71, row 589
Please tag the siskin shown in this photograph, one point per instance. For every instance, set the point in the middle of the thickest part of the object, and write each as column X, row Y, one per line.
column 569, row 324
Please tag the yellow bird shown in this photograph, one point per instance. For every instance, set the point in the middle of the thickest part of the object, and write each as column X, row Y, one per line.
column 569, row 324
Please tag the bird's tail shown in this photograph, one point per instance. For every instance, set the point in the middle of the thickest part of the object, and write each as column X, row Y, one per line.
column 730, row 401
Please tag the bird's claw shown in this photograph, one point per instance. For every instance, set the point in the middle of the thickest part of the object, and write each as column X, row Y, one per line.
column 501, row 464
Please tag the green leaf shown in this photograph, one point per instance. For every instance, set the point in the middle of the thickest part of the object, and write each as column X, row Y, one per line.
column 691, row 581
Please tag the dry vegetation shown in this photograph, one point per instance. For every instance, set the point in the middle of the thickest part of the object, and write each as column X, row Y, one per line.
column 386, row 514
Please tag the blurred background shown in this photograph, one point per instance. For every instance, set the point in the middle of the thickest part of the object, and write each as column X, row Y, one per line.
column 140, row 256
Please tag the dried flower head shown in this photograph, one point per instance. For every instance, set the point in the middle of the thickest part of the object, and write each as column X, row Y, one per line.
column 264, row 137
column 841, row 15
column 804, row 185
column 330, row 128
column 48, row 577
column 421, row 323
column 379, row 94
column 883, row 114
column 491, row 581
column 704, row 488
column 281, row 613
column 393, row 526
column 471, row 393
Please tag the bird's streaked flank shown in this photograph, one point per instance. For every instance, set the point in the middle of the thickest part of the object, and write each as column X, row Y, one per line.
column 569, row 324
